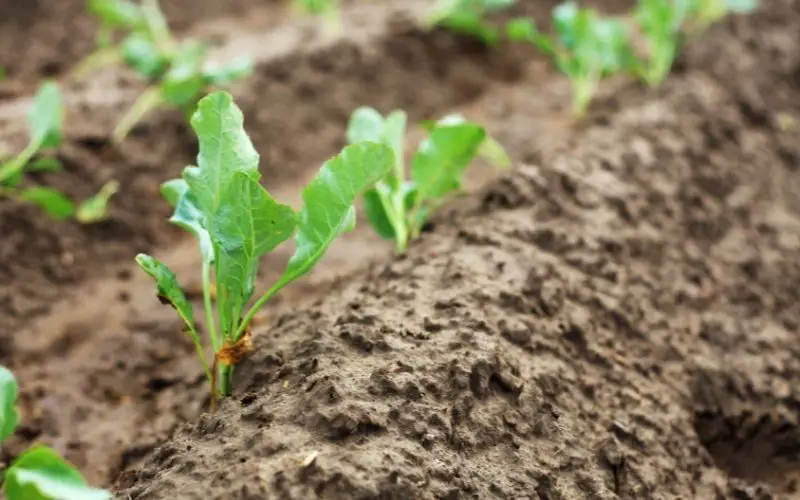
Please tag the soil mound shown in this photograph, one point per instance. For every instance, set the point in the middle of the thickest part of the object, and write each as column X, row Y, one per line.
column 618, row 321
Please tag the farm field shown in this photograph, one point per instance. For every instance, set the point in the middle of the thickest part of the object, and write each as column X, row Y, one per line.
column 615, row 316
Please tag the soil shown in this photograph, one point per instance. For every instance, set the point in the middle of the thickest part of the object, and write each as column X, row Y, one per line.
column 616, row 318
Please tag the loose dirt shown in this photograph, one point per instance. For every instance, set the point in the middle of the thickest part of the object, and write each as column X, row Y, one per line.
column 615, row 319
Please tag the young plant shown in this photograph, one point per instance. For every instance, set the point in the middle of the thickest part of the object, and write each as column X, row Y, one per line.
column 661, row 23
column 39, row 473
column 468, row 17
column 44, row 125
column 586, row 48
column 236, row 222
column 704, row 13
column 398, row 208
column 326, row 8
column 178, row 73
column 665, row 25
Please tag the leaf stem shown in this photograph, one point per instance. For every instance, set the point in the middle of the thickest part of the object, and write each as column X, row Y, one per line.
column 17, row 164
column 143, row 105
column 257, row 307
column 198, row 345
column 216, row 343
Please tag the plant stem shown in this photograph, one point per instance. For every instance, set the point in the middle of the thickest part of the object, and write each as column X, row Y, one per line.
column 143, row 105
column 216, row 344
column 16, row 165
column 584, row 89
column 200, row 351
column 256, row 307
column 225, row 376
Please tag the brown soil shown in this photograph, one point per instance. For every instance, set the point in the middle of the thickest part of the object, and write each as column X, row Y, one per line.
column 615, row 319
column 56, row 34
column 105, row 376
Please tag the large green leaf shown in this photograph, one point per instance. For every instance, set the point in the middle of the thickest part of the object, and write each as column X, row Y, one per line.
column 328, row 202
column 9, row 416
column 249, row 226
column 46, row 116
column 169, row 291
column 188, row 215
column 225, row 149
column 55, row 204
column 443, row 157
column 41, row 474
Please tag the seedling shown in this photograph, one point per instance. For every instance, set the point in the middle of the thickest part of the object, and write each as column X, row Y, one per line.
column 587, row 48
column 666, row 24
column 328, row 11
column 178, row 73
column 236, row 221
column 398, row 208
column 45, row 124
column 325, row 8
column 707, row 12
column 468, row 17
column 39, row 473
column 661, row 23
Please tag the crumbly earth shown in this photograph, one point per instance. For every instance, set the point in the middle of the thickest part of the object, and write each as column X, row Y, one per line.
column 105, row 373
column 617, row 319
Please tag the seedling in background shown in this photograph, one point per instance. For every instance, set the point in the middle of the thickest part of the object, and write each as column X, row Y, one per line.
column 236, row 222
column 586, row 48
column 328, row 9
column 707, row 12
column 178, row 73
column 665, row 24
column 398, row 208
column 39, row 473
column 45, row 123
column 661, row 23
column 468, row 17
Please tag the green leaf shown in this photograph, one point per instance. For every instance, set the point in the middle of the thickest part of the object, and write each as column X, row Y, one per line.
column 46, row 117
column 328, row 200
column 236, row 70
column 9, row 391
column 188, row 215
column 44, row 164
column 172, row 190
column 490, row 150
column 143, row 56
column 94, row 208
column 376, row 214
column 366, row 124
column 225, row 149
column 41, row 474
column 169, row 292
column 249, row 226
column 394, row 131
column 11, row 179
column 443, row 157
column 184, row 80
column 117, row 13
column 55, row 204
column 521, row 29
